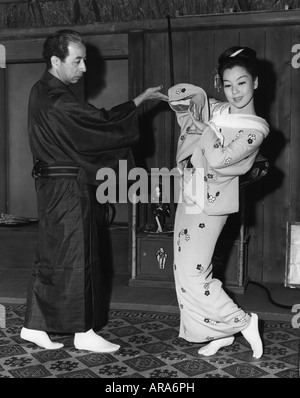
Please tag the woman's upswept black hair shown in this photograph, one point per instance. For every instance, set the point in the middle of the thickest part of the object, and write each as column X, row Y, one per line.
column 57, row 44
column 238, row 56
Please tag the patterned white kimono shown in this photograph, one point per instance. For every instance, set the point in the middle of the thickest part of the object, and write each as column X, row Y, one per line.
column 220, row 153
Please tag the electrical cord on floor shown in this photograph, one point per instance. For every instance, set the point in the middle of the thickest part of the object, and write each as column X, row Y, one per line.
column 288, row 307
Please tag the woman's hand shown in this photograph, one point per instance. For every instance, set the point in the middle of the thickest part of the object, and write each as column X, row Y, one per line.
column 197, row 104
column 151, row 93
column 197, row 123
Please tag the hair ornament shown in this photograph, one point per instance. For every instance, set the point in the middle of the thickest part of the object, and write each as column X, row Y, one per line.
column 217, row 80
column 236, row 53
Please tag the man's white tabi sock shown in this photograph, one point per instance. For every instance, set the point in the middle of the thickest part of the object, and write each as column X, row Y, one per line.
column 39, row 338
column 91, row 341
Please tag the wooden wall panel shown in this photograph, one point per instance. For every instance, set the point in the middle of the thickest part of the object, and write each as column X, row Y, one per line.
column 224, row 39
column 254, row 198
column 107, row 85
column 171, row 73
column 294, row 215
column 181, row 56
column 277, row 199
column 30, row 50
column 181, row 62
column 21, row 191
column 201, row 65
column 110, row 46
column 135, row 63
column 3, row 149
column 156, row 154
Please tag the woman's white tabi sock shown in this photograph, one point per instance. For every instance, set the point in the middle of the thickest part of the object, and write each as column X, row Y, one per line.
column 251, row 334
column 213, row 347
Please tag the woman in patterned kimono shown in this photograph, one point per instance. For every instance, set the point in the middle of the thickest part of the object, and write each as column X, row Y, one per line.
column 212, row 153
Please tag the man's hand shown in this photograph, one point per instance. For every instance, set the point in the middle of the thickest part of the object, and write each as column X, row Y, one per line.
column 151, row 93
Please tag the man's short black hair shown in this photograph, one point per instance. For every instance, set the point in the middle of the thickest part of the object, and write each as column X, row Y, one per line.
column 57, row 44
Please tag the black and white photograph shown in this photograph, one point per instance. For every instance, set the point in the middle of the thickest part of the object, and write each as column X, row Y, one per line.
column 149, row 189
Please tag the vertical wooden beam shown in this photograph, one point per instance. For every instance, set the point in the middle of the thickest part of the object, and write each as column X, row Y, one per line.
column 255, row 195
column 278, row 151
column 3, row 149
column 294, row 215
column 135, row 63
column 135, row 87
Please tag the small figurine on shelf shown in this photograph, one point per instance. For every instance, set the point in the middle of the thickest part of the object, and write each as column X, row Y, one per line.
column 160, row 209
column 161, row 257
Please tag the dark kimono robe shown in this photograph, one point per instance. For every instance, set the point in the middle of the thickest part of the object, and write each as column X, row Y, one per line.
column 65, row 291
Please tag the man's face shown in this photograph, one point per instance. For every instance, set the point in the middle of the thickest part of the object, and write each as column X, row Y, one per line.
column 73, row 67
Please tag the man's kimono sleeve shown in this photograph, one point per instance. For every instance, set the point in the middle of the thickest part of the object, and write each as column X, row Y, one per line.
column 88, row 129
column 95, row 138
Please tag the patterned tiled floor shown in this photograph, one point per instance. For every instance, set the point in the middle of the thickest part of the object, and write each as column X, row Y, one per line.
column 150, row 348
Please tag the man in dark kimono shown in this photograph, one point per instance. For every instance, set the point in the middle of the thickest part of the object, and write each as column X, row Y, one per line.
column 70, row 141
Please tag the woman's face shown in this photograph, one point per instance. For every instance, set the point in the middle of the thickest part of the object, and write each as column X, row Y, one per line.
column 239, row 88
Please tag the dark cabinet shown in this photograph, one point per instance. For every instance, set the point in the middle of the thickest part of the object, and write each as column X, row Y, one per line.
column 152, row 252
